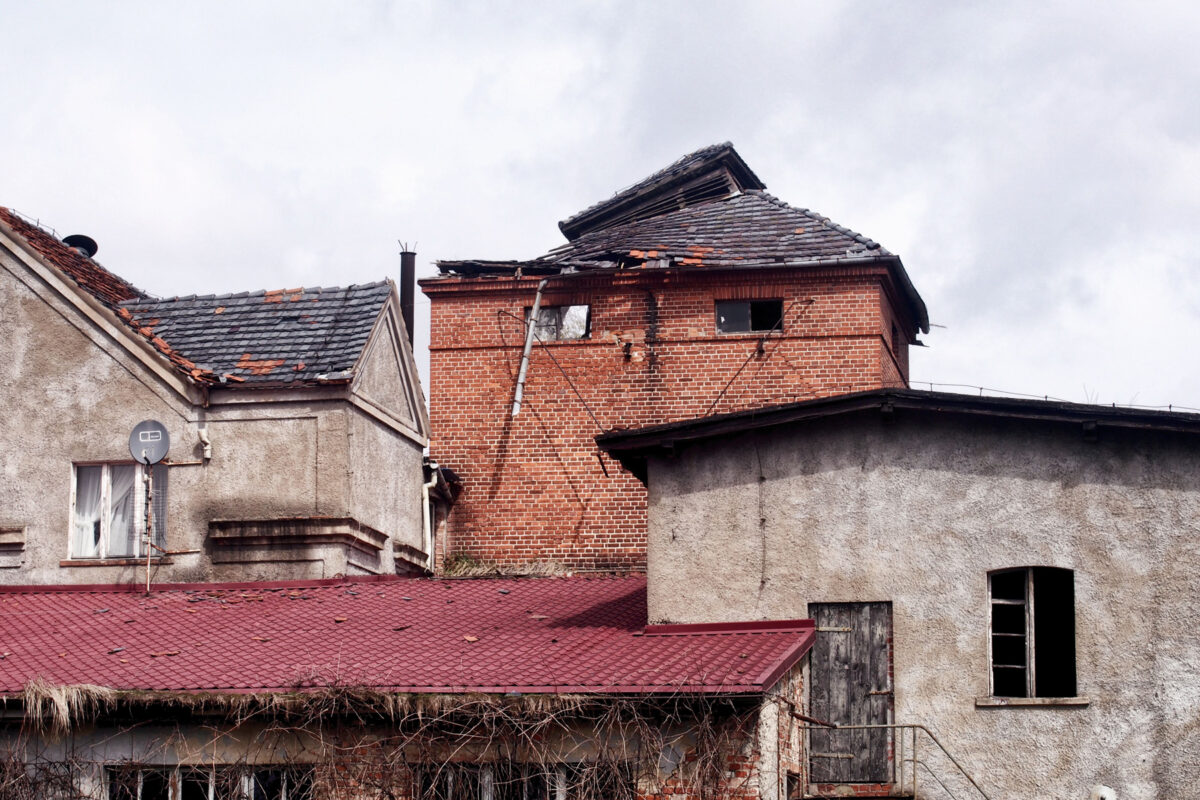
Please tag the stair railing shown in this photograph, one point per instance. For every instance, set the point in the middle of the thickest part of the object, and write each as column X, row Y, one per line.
column 907, row 757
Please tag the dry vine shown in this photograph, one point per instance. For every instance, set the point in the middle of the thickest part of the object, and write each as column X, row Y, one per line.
column 351, row 742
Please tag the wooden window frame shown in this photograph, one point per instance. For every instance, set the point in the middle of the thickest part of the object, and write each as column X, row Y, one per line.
column 561, row 310
column 1029, row 602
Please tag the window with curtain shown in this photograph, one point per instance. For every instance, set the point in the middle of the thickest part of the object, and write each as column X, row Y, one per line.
column 109, row 513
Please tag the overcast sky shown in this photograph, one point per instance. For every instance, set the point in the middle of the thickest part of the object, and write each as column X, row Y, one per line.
column 1036, row 165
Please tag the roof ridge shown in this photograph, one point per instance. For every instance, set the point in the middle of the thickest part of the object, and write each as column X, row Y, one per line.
column 256, row 293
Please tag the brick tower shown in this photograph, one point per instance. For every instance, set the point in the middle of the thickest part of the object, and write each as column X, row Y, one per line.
column 693, row 292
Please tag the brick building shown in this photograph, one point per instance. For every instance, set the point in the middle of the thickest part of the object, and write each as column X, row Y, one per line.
column 690, row 293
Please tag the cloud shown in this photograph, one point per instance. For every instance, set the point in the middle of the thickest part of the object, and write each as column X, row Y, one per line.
column 1036, row 165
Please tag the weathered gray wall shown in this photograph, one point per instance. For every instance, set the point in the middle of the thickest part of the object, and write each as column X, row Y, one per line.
column 69, row 394
column 917, row 512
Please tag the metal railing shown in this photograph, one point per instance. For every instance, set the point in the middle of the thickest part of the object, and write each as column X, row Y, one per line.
column 909, row 762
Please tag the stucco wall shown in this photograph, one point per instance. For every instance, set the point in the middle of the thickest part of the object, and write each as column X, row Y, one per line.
column 917, row 512
column 71, row 394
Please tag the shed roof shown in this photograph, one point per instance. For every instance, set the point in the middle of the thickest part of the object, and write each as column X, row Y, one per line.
column 634, row 446
column 529, row 635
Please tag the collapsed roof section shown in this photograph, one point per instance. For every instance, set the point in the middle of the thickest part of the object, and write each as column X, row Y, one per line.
column 706, row 211
column 496, row 636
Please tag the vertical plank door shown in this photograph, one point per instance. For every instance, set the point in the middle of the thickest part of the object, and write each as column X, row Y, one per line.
column 851, row 685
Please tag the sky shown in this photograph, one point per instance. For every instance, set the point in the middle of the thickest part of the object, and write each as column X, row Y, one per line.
column 1035, row 165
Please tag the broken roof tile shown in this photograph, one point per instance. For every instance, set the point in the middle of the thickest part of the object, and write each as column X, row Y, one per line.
column 247, row 337
column 94, row 279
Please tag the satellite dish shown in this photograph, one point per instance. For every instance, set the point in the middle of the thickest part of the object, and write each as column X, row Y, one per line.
column 149, row 442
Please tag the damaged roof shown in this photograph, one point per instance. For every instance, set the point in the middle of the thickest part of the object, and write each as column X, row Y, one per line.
column 745, row 229
column 94, row 279
column 707, row 210
column 293, row 336
column 290, row 337
column 405, row 635
column 710, row 171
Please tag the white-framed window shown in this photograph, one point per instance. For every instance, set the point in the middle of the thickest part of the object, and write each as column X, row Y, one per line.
column 210, row 783
column 746, row 316
column 108, row 510
column 1032, row 627
column 560, row 323
column 509, row 780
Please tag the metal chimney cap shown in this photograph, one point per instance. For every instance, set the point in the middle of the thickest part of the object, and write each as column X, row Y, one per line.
column 84, row 244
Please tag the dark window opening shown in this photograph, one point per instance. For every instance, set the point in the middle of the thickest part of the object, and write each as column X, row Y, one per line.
column 509, row 780
column 559, row 323
column 744, row 316
column 208, row 783
column 1033, row 632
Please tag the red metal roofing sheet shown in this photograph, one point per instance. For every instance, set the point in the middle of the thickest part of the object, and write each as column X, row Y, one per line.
column 578, row 634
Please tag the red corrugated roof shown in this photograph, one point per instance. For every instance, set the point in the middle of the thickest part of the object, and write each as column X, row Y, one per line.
column 531, row 635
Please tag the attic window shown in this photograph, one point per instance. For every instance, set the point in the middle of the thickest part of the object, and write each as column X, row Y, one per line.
column 559, row 323
column 744, row 316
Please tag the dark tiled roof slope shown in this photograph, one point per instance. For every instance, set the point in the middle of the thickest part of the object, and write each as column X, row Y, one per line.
column 91, row 277
column 292, row 336
column 743, row 229
column 405, row 635
column 701, row 161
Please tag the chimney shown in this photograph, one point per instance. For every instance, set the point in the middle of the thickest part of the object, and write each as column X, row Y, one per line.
column 408, row 288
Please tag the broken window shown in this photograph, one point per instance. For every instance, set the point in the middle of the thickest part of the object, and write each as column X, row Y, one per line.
column 108, row 513
column 508, row 780
column 744, row 316
column 1033, row 632
column 210, row 783
column 557, row 323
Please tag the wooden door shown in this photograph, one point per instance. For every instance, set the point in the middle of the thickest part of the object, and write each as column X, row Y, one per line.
column 851, row 685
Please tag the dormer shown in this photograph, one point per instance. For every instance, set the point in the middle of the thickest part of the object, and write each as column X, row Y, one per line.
column 707, row 174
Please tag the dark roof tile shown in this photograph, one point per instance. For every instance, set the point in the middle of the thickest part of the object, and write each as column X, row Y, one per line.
column 293, row 336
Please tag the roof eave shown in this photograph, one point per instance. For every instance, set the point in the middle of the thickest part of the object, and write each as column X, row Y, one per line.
column 634, row 448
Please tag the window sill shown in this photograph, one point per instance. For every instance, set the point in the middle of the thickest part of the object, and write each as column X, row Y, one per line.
column 112, row 562
column 1030, row 702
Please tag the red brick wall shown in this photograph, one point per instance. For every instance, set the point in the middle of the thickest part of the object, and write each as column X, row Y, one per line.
column 536, row 488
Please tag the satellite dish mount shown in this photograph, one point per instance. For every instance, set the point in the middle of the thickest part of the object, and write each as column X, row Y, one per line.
column 148, row 444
